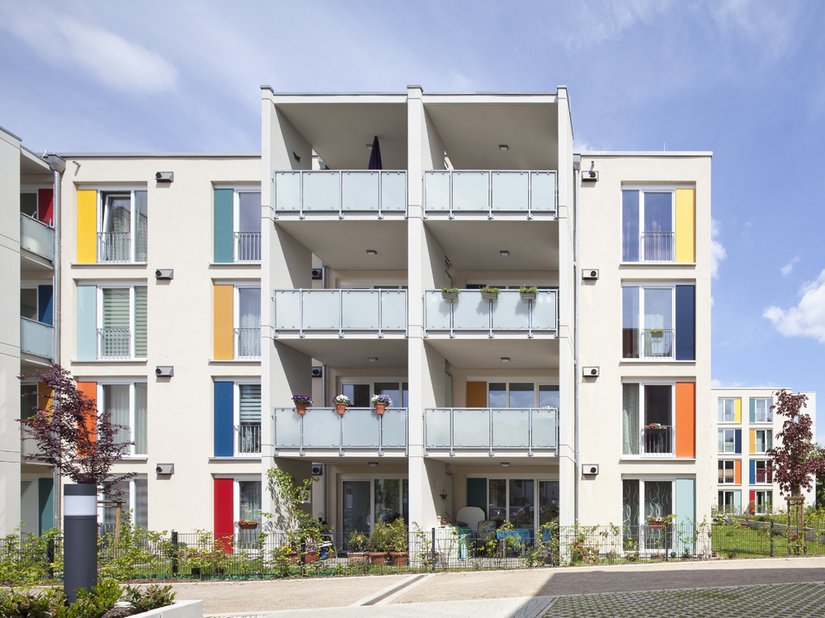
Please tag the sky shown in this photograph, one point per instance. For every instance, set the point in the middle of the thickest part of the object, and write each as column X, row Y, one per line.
column 744, row 79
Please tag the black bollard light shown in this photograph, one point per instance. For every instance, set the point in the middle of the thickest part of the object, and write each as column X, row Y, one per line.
column 79, row 538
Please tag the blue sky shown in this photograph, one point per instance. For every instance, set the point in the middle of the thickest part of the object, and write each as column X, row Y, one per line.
column 745, row 79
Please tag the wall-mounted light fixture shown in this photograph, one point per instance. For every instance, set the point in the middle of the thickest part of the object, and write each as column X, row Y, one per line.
column 504, row 147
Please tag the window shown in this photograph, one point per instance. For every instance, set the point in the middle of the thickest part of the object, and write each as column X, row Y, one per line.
column 647, row 419
column 237, row 221
column 237, row 419
column 647, row 226
column 515, row 500
column 727, row 410
column 729, row 501
column 360, row 393
column 365, row 501
column 760, row 410
column 237, row 321
column 121, row 322
column 647, row 315
column 249, row 419
column 36, row 303
column 122, row 227
column 29, row 401
column 727, row 442
column 28, row 303
column 762, row 440
column 726, row 471
column 762, row 472
column 522, row 395
column 762, row 501
column 38, row 204
column 133, row 497
column 126, row 403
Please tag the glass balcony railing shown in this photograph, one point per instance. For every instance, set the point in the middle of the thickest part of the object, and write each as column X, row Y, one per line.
column 357, row 430
column 471, row 313
column 340, row 311
column 36, row 237
column 491, row 429
column 37, row 338
column 489, row 192
column 341, row 193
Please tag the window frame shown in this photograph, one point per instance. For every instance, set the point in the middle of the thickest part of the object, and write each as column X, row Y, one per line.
column 372, row 381
column 721, row 467
column 767, row 439
column 767, row 471
column 517, row 476
column 236, row 418
column 236, row 317
column 130, row 506
column 721, row 411
column 102, row 194
column 641, row 417
column 766, row 499
column 101, row 400
column 99, row 288
column 651, row 188
column 723, row 508
column 767, row 412
column 237, row 189
column 640, row 318
column 724, row 441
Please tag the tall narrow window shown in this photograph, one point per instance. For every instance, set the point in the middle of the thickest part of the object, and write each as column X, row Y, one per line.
column 248, row 232
column 727, row 410
column 126, row 403
column 248, row 330
column 121, row 330
column 123, row 227
column 249, row 416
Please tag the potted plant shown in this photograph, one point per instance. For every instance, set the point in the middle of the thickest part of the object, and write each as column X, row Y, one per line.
column 658, row 521
column 381, row 402
column 341, row 402
column 449, row 294
column 528, row 292
column 379, row 544
column 489, row 293
column 399, row 542
column 357, row 548
column 247, row 524
column 302, row 402
column 655, row 426
column 656, row 333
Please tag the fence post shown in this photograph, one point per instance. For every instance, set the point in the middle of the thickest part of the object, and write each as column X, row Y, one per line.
column 50, row 556
column 433, row 555
column 174, row 552
column 770, row 534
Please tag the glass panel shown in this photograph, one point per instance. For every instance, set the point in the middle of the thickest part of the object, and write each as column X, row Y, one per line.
column 355, row 507
column 438, row 428
column 360, row 428
column 522, row 503
column 630, row 322
column 510, row 190
column 287, row 310
column 510, row 312
column 321, row 428
column 321, row 191
column 658, row 498
column 544, row 428
column 510, row 429
column 249, row 211
column 630, row 226
column 119, row 492
column 250, row 500
column 288, row 191
column 360, row 309
column 437, row 191
column 658, row 322
column 471, row 427
column 116, row 403
column 471, row 311
column 394, row 429
column 497, row 395
column 141, row 226
column 115, row 240
column 321, row 310
column 141, row 515
column 548, row 396
column 548, row 502
column 657, row 404
column 437, row 311
column 394, row 191
column 28, row 204
column 28, row 303
column 391, row 389
column 405, row 395
column 522, row 395
column 28, row 400
column 140, row 321
column 141, row 446
column 288, row 428
column 497, row 496
column 359, row 394
column 470, row 191
column 543, row 191
column 394, row 310
column 658, row 226
column 630, row 419
column 249, row 307
column 630, row 514
column 360, row 190
column 387, row 500
column 544, row 310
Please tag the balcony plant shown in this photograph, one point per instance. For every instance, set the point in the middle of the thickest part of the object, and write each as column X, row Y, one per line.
column 341, row 402
column 247, row 524
column 528, row 292
column 655, row 426
column 659, row 521
column 381, row 402
column 357, row 548
column 489, row 292
column 450, row 294
column 302, row 402
column 656, row 333
column 379, row 543
column 398, row 542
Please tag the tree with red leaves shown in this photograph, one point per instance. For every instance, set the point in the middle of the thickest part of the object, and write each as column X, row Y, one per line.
column 798, row 460
column 70, row 434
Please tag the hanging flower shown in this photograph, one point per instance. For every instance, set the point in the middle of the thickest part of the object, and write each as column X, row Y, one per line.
column 342, row 400
column 382, row 398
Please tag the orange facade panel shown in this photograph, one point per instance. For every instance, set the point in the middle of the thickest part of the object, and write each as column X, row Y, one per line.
column 685, row 419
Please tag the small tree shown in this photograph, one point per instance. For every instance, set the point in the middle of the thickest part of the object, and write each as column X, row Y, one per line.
column 798, row 460
column 71, row 435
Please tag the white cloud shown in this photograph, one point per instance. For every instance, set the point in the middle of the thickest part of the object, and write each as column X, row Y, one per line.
column 110, row 58
column 807, row 317
column 787, row 269
column 717, row 250
column 771, row 27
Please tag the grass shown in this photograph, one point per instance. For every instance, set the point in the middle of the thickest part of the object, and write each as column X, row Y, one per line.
column 734, row 541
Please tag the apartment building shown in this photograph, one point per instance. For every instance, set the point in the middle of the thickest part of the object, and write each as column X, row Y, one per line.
column 200, row 293
column 747, row 429
column 27, row 333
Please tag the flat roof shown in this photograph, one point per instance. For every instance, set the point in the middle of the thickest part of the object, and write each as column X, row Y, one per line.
column 159, row 155
column 646, row 153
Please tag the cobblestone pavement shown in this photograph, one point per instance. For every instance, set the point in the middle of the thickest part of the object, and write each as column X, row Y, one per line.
column 761, row 601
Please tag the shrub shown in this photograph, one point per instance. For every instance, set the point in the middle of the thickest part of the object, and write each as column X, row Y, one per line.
column 149, row 598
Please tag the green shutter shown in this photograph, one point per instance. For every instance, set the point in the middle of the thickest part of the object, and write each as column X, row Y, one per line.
column 477, row 493
column 250, row 404
column 86, row 322
column 224, row 224
column 140, row 321
column 45, row 504
column 752, row 409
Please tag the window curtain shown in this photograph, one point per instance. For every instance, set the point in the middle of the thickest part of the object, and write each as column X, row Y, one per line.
column 250, row 500
column 140, row 438
column 116, row 403
column 249, row 307
column 630, row 419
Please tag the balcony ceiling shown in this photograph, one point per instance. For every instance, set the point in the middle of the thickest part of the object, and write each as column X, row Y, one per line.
column 475, row 245
column 353, row 354
column 343, row 244
column 341, row 132
column 472, row 132
column 485, row 354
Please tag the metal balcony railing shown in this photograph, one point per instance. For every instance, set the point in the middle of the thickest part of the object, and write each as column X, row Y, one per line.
column 489, row 192
column 37, row 338
column 340, row 311
column 357, row 430
column 114, row 343
column 657, row 246
column 470, row 312
column 249, row 438
column 491, row 429
column 341, row 193
column 657, row 441
column 247, row 246
column 248, row 342
column 37, row 237
column 114, row 247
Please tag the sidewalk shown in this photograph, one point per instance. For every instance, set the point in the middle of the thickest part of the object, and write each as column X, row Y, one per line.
column 523, row 593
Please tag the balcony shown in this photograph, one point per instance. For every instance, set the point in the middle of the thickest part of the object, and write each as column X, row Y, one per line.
column 340, row 312
column 114, row 343
column 37, row 338
column 489, row 193
column 657, row 441
column 490, row 430
column 36, row 237
column 247, row 246
column 357, row 430
column 340, row 193
column 471, row 313
column 247, row 343
column 249, row 438
column 114, row 247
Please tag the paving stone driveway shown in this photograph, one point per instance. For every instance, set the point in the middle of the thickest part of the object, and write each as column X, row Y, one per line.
column 761, row 601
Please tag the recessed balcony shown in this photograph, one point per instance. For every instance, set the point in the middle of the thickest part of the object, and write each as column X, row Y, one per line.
column 340, row 312
column 348, row 193
column 470, row 312
column 489, row 193
column 357, row 431
column 490, row 430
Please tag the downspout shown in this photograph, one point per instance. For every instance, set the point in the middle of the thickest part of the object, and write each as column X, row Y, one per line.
column 577, row 162
column 58, row 166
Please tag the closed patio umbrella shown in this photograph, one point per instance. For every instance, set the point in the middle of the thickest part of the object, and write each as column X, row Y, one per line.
column 375, row 156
